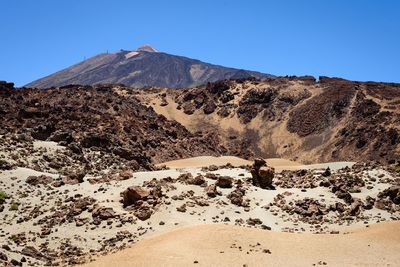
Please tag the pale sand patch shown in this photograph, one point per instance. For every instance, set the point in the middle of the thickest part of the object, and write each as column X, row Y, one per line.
column 277, row 163
column 131, row 54
column 49, row 145
column 204, row 161
column 211, row 245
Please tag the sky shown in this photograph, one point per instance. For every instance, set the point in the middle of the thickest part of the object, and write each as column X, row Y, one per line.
column 353, row 39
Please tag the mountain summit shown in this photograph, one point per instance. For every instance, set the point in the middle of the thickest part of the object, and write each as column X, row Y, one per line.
column 143, row 66
column 145, row 48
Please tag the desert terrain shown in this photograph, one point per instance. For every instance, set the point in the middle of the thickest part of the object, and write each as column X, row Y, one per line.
column 101, row 175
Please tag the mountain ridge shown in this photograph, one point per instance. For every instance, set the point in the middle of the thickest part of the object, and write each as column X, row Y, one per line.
column 144, row 66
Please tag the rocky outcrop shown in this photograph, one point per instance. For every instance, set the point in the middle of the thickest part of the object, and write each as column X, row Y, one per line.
column 389, row 199
column 143, row 199
column 36, row 180
column 262, row 175
column 133, row 194
column 237, row 197
column 130, row 131
column 212, row 191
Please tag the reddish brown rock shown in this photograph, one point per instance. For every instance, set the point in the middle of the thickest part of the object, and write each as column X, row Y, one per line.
column 31, row 252
column 133, row 194
column 124, row 175
column 224, row 182
column 262, row 175
column 103, row 213
column 36, row 180
column 211, row 190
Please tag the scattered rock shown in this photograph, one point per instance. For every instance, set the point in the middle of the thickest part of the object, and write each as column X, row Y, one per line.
column 224, row 182
column 103, row 213
column 181, row 208
column 211, row 190
column 36, row 180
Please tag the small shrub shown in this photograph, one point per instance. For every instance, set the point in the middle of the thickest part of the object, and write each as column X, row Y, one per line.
column 14, row 206
column 396, row 168
column 3, row 197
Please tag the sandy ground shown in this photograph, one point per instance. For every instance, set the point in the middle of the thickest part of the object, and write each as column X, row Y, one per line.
column 218, row 245
column 205, row 161
column 218, row 211
column 278, row 163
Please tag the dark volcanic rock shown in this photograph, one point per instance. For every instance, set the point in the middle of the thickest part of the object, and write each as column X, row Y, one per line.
column 32, row 252
column 262, row 175
column 36, row 180
column 4, row 165
column 211, row 190
column 224, row 182
column 97, row 119
column 320, row 111
column 133, row 194
column 103, row 213
column 236, row 197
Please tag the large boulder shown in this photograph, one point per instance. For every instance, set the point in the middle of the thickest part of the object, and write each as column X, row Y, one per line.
column 262, row 175
column 211, row 190
column 209, row 107
column 198, row 180
column 103, row 213
column 75, row 177
column 124, row 175
column 345, row 195
column 266, row 174
column 143, row 213
column 224, row 182
column 188, row 178
column 133, row 194
column 236, row 197
column 393, row 193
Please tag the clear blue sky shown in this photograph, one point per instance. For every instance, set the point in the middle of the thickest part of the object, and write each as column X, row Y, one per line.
column 354, row 39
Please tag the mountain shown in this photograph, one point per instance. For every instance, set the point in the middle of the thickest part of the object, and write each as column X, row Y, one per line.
column 144, row 66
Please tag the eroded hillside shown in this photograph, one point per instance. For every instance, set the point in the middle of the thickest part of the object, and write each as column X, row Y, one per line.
column 99, row 127
column 291, row 117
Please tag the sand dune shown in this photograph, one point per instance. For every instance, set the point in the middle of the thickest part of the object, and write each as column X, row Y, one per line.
column 278, row 163
column 218, row 245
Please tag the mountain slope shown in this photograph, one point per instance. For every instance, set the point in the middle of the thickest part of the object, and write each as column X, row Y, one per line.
column 296, row 118
column 141, row 67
